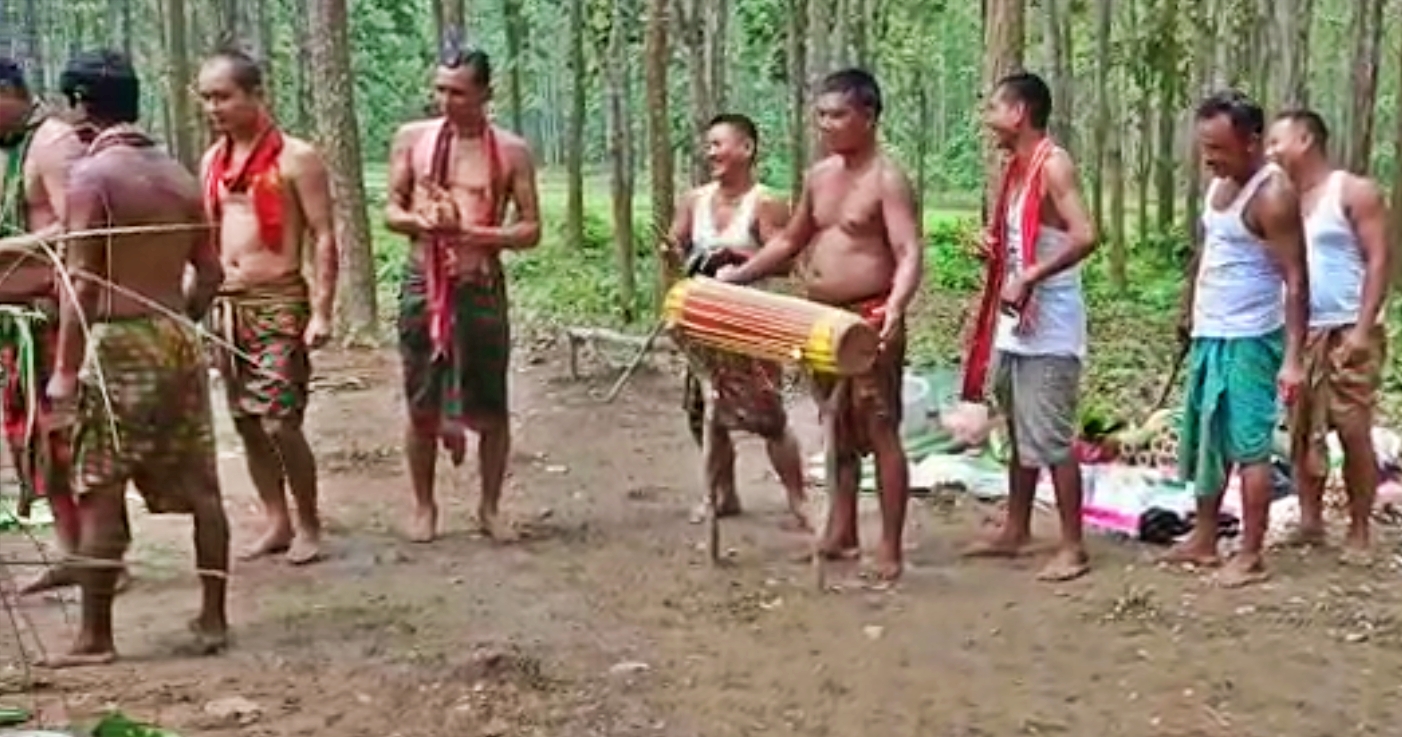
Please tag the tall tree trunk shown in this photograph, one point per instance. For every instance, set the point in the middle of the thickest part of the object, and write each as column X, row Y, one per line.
column 796, row 52
column 1055, row 15
column 455, row 18
column 1104, row 14
column 181, row 117
column 1396, row 204
column 1292, row 21
column 339, row 131
column 574, row 208
column 440, row 25
column 659, row 129
column 262, row 31
column 717, row 29
column 303, row 78
column 1366, row 29
column 691, row 21
column 514, row 21
column 619, row 148
column 1003, row 42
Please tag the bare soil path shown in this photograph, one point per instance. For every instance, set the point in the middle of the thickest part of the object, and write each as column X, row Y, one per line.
column 611, row 622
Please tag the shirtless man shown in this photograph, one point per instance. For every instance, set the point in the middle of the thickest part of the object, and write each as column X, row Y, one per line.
column 1346, row 242
column 451, row 179
column 734, row 215
column 134, row 390
column 39, row 149
column 856, row 219
column 267, row 193
column 1041, row 234
column 1246, row 310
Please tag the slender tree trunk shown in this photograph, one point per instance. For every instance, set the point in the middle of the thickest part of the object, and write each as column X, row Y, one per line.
column 797, row 53
column 514, row 21
column 1055, row 14
column 1104, row 13
column 182, row 119
column 1367, row 33
column 33, row 49
column 619, row 148
column 717, row 14
column 334, row 105
column 574, row 208
column 691, row 20
column 659, row 130
column 303, row 78
column 1170, row 92
column 1292, row 20
column 1003, row 42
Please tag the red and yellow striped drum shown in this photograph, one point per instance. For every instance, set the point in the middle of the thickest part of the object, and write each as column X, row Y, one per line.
column 772, row 327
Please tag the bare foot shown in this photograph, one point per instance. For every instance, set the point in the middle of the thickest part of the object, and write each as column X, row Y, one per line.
column 998, row 546
column 1242, row 570
column 79, row 657
column 1191, row 554
column 1068, row 564
column 797, row 523
column 423, row 526
column 273, row 541
column 305, row 548
column 1305, row 537
column 206, row 639
column 888, row 566
column 830, row 552
column 495, row 527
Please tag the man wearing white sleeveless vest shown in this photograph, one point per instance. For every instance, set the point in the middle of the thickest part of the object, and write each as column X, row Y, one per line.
column 1345, row 222
column 1249, row 304
column 729, row 218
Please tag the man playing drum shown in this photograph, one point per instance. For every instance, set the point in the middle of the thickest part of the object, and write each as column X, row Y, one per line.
column 726, row 219
column 857, row 222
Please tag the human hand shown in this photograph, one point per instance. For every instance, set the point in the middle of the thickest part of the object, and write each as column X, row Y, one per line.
column 1290, row 379
column 1353, row 349
column 1015, row 291
column 891, row 320
column 729, row 274
column 983, row 247
column 318, row 332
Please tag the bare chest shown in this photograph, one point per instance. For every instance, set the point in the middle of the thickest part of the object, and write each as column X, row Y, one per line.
column 469, row 171
column 851, row 205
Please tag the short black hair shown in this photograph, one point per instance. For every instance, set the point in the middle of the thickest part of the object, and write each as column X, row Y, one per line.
column 247, row 73
column 1245, row 115
column 1030, row 90
column 1311, row 121
column 457, row 55
column 859, row 85
column 740, row 123
column 105, row 83
column 12, row 77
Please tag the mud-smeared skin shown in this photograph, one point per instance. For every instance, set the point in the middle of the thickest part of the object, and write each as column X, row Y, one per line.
column 463, row 636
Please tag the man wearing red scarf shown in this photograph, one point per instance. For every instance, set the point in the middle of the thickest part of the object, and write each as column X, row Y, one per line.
column 268, row 195
column 451, row 180
column 1032, row 321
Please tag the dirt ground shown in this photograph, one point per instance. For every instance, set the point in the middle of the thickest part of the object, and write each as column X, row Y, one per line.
column 611, row 622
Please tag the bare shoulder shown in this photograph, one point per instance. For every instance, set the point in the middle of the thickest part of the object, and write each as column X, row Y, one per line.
column 55, row 142
column 894, row 177
column 412, row 131
column 300, row 154
column 1060, row 166
column 822, row 171
column 1360, row 191
column 513, row 147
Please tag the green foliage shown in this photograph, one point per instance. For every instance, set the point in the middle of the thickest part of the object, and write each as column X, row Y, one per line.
column 116, row 724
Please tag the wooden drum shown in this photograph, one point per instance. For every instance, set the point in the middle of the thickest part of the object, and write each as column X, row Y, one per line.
column 773, row 327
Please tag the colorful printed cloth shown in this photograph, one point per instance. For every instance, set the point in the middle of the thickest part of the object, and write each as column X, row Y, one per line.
column 144, row 414
column 469, row 382
column 268, row 374
column 872, row 396
column 1229, row 407
column 43, row 457
column 746, row 392
column 1337, row 394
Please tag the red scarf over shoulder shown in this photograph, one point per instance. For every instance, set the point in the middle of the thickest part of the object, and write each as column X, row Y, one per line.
column 259, row 177
column 1018, row 171
column 440, row 282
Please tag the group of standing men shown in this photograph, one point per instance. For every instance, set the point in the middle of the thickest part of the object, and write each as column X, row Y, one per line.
column 1283, row 308
column 116, row 392
column 127, row 402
